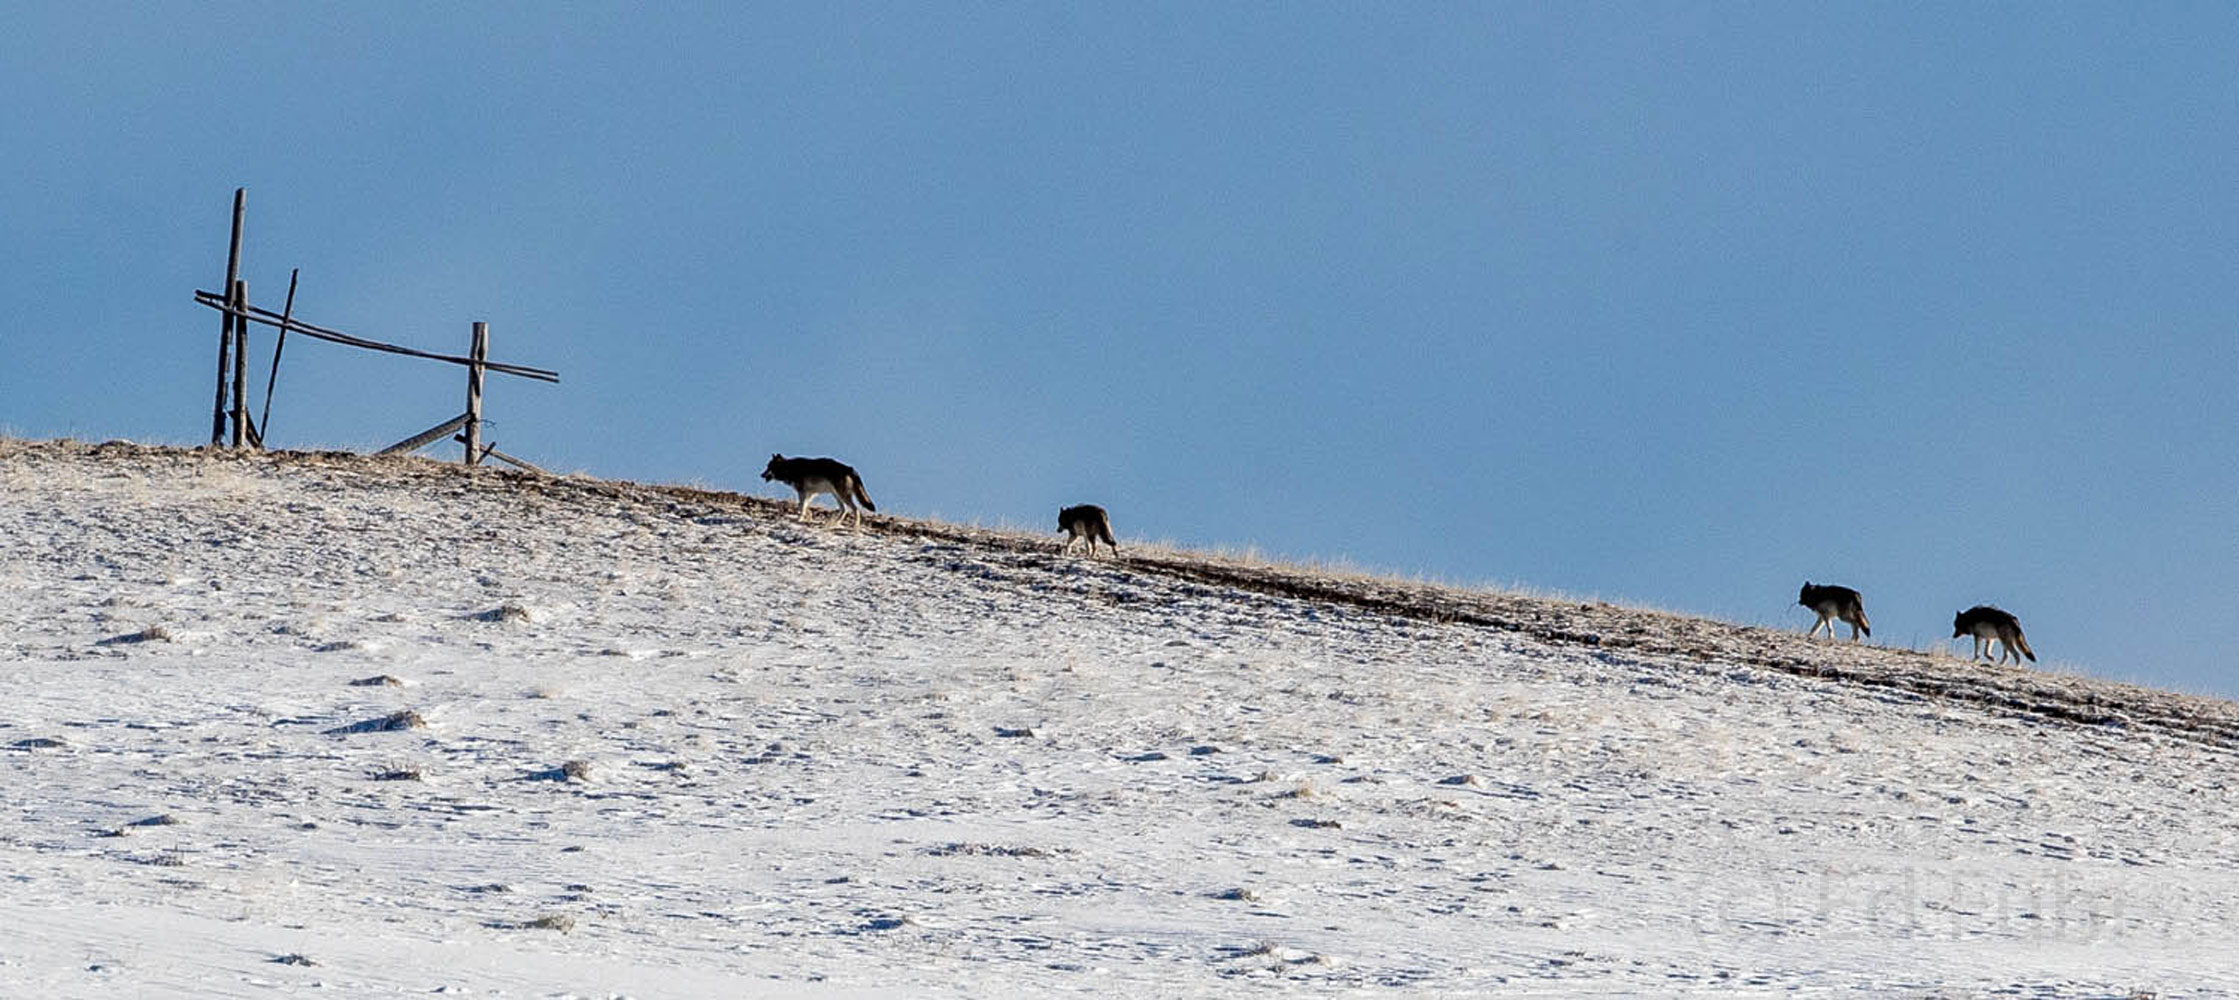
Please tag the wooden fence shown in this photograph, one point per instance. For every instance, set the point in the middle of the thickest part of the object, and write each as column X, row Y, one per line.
column 236, row 315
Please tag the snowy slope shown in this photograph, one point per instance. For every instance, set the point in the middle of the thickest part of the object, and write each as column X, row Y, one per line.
column 664, row 742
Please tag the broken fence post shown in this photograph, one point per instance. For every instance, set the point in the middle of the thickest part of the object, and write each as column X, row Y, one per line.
column 416, row 441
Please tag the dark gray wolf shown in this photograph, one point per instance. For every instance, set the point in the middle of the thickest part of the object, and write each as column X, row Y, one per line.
column 1087, row 521
column 1830, row 602
column 811, row 476
column 1987, row 625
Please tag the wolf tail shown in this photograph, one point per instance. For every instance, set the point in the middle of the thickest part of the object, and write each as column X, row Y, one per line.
column 1104, row 528
column 1864, row 626
column 856, row 483
column 2021, row 642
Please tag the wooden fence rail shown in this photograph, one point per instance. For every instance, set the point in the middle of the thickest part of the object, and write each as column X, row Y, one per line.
column 267, row 317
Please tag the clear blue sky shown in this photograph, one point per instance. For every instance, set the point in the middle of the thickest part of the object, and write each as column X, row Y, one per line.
column 1671, row 303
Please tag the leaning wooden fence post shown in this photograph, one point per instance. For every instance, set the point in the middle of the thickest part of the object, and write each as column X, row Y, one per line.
column 287, row 315
column 477, row 352
column 227, row 321
column 241, row 364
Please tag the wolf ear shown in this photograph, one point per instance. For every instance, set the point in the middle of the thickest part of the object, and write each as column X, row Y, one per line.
column 775, row 457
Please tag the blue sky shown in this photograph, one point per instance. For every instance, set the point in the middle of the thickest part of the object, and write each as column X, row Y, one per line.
column 1679, row 304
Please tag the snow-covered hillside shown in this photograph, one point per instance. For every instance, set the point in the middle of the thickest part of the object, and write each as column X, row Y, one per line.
column 662, row 742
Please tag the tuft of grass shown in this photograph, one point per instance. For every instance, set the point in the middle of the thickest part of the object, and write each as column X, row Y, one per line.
column 989, row 850
column 574, row 770
column 153, row 633
column 549, row 922
column 392, row 722
column 507, row 612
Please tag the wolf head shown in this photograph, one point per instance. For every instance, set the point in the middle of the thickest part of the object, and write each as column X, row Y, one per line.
column 1981, row 614
column 1804, row 594
column 769, row 471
